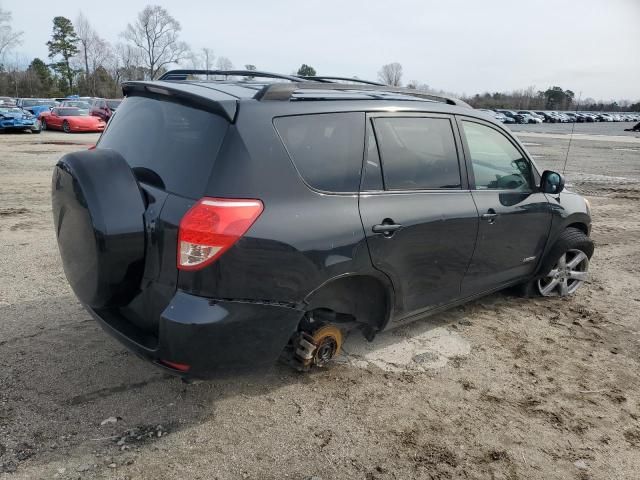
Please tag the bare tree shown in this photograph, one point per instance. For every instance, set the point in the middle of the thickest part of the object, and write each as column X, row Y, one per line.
column 155, row 33
column 224, row 63
column 123, row 63
column 86, row 35
column 207, row 58
column 194, row 60
column 391, row 74
column 101, row 55
column 94, row 52
column 9, row 38
column 252, row 68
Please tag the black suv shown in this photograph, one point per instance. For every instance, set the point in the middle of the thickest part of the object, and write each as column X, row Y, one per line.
column 227, row 223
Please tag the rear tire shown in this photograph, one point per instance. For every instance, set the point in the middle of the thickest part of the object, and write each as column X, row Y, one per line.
column 565, row 267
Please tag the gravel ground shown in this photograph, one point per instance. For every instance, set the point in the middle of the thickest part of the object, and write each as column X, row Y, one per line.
column 501, row 388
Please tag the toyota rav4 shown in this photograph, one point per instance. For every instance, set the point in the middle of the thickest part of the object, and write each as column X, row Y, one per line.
column 229, row 222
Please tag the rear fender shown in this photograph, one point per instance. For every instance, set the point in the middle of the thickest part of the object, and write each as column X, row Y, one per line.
column 367, row 298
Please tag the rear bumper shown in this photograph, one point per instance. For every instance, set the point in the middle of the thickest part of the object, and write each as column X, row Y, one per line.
column 210, row 336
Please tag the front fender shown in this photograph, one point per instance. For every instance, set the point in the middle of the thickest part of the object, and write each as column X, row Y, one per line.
column 568, row 209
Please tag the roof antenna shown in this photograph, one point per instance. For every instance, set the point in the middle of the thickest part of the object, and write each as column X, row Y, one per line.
column 573, row 127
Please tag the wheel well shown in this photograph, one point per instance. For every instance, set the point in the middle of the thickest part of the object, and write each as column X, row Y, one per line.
column 364, row 298
column 580, row 226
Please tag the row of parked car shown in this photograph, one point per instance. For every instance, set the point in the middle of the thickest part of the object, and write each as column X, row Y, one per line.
column 70, row 114
column 530, row 116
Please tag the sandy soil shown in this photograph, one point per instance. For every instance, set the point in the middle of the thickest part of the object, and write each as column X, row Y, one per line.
column 501, row 388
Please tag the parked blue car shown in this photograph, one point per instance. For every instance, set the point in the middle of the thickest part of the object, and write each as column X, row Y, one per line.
column 14, row 118
column 36, row 105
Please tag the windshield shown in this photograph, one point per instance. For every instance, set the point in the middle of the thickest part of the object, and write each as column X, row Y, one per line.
column 83, row 105
column 10, row 110
column 113, row 104
column 72, row 112
column 36, row 102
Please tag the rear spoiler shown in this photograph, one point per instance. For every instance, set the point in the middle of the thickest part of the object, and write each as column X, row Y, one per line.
column 211, row 100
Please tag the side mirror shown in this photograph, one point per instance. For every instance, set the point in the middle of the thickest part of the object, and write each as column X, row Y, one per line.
column 551, row 182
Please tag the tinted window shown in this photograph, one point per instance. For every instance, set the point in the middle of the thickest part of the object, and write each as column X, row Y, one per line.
column 327, row 149
column 83, row 105
column 38, row 103
column 497, row 163
column 170, row 142
column 372, row 170
column 71, row 112
column 417, row 153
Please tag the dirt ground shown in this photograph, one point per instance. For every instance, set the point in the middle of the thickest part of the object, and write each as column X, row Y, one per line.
column 504, row 388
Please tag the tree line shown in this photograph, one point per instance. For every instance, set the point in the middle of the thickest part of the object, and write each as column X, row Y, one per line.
column 553, row 98
column 81, row 62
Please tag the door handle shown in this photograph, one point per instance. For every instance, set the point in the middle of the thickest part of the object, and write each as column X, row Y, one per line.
column 386, row 229
column 490, row 216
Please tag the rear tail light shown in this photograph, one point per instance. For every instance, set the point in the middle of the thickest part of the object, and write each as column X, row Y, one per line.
column 211, row 227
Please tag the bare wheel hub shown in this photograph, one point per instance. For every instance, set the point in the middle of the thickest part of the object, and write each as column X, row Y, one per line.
column 319, row 347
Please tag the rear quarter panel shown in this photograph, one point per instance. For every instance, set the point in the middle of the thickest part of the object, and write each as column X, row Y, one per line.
column 303, row 237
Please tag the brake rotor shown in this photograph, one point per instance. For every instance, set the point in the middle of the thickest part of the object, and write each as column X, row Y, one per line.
column 319, row 347
column 328, row 341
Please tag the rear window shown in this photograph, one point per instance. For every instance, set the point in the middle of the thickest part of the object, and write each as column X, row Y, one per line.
column 171, row 143
column 326, row 149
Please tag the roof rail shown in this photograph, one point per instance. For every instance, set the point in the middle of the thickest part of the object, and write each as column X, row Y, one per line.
column 323, row 78
column 284, row 91
column 183, row 74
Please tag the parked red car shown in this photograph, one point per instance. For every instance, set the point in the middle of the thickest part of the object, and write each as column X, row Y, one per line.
column 104, row 108
column 71, row 119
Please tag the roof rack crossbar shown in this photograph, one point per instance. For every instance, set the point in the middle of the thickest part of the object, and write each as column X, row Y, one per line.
column 184, row 74
column 284, row 91
column 323, row 78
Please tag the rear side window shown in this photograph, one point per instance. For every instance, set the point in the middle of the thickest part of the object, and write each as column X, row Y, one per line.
column 372, row 176
column 174, row 144
column 417, row 153
column 326, row 149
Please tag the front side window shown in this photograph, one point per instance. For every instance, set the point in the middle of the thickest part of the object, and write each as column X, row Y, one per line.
column 497, row 163
column 417, row 153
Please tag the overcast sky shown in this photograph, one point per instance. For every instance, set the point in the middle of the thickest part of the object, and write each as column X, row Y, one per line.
column 461, row 46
